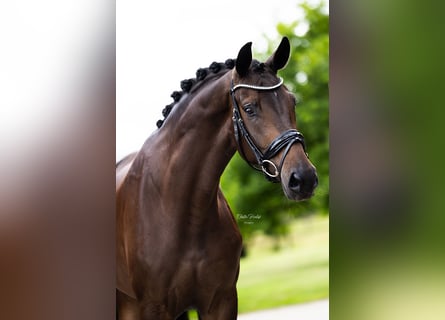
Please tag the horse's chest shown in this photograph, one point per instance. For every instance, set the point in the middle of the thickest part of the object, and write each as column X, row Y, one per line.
column 215, row 264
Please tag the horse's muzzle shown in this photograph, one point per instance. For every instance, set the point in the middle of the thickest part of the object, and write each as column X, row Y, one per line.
column 301, row 184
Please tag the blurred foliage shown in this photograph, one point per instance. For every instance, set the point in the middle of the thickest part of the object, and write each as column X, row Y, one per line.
column 259, row 205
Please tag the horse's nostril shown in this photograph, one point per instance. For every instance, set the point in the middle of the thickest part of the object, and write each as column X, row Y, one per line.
column 303, row 182
column 294, row 182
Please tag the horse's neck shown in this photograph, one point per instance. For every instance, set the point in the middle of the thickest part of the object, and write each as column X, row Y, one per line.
column 199, row 143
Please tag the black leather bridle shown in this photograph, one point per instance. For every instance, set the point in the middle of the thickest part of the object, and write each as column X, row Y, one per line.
column 284, row 140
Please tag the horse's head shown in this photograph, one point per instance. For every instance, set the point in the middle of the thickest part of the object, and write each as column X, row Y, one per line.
column 265, row 123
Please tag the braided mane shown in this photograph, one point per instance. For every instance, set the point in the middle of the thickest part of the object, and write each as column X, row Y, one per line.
column 188, row 85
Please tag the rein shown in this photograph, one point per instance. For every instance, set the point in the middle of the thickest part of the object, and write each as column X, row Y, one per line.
column 284, row 140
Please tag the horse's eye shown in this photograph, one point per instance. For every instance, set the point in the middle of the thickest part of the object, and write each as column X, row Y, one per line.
column 249, row 110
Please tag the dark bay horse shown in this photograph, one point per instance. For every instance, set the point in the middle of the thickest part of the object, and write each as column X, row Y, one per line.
column 178, row 244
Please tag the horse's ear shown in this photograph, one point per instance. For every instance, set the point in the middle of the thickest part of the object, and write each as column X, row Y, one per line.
column 280, row 57
column 244, row 59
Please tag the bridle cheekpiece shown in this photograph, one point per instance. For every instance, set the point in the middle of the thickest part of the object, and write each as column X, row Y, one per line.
column 284, row 141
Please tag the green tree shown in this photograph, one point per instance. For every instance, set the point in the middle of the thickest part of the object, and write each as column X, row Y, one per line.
column 257, row 204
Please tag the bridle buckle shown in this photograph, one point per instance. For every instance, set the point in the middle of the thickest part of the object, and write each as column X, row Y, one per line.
column 264, row 167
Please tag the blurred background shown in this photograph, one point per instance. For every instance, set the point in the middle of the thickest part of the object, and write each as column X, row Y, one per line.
column 386, row 161
column 57, row 152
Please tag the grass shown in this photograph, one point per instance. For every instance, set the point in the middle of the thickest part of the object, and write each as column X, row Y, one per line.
column 297, row 272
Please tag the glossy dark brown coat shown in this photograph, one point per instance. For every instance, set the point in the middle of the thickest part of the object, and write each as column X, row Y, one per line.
column 178, row 244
